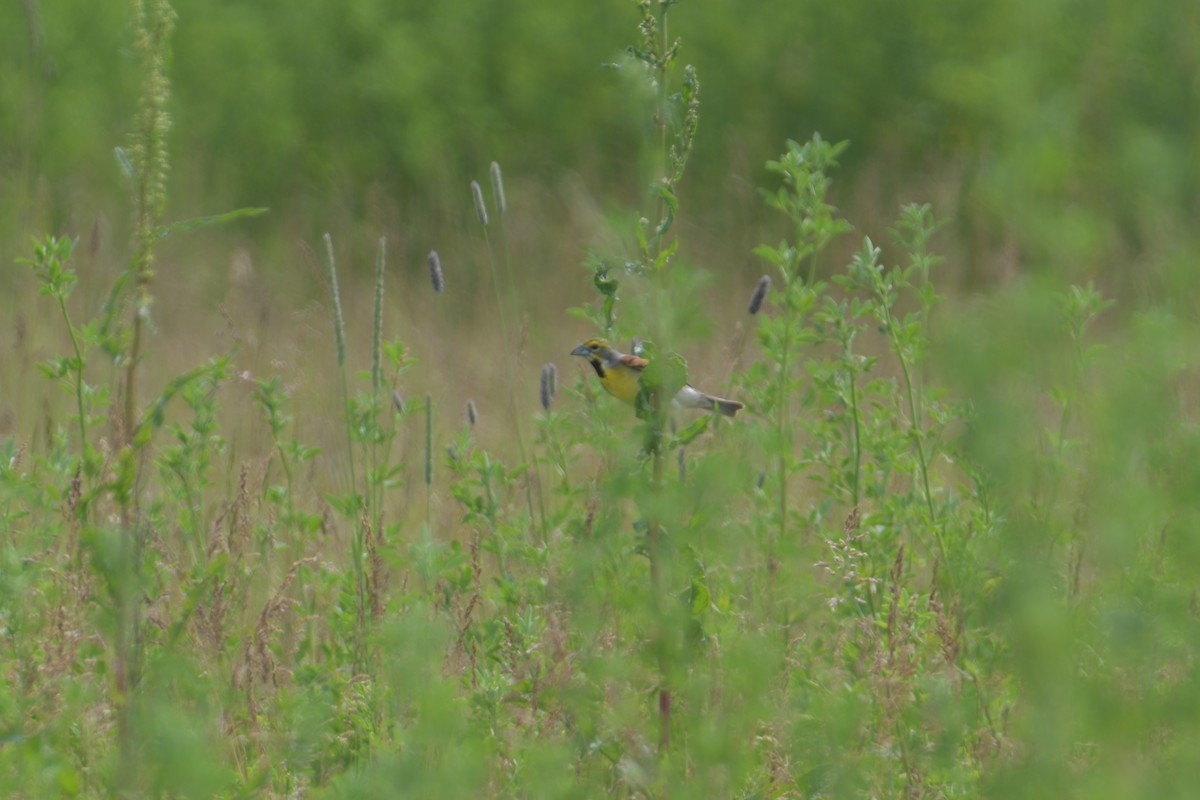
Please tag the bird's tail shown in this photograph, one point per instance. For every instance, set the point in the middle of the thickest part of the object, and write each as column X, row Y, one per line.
column 689, row 397
column 723, row 406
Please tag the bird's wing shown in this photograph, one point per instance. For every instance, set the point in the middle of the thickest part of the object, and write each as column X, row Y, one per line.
column 634, row 362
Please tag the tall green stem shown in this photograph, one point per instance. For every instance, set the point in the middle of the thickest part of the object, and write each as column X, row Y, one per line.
column 79, row 404
column 783, row 439
column 654, row 550
column 852, row 376
column 915, row 431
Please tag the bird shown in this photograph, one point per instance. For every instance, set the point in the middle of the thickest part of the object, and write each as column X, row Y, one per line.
column 620, row 375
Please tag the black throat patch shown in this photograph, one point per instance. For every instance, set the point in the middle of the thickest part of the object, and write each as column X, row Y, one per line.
column 596, row 365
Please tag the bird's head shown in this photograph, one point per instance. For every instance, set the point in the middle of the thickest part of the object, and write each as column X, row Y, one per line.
column 597, row 350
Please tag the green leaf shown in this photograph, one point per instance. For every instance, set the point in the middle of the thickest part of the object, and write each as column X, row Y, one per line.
column 775, row 255
column 347, row 506
column 664, row 258
column 695, row 429
column 662, row 378
column 53, row 369
column 215, row 219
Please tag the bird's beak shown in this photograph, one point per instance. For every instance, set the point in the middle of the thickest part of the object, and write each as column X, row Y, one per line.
column 582, row 350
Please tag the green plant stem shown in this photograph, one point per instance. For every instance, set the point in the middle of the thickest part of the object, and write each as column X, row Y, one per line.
column 917, row 435
column 654, row 553
column 783, row 441
column 287, row 473
column 654, row 529
column 357, row 547
column 429, row 463
column 663, row 128
column 135, row 347
column 79, row 407
column 374, row 499
column 856, row 426
column 357, row 500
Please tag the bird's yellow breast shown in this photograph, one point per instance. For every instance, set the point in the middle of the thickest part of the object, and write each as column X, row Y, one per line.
column 621, row 382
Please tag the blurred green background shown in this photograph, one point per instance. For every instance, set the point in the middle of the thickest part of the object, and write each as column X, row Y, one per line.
column 1057, row 135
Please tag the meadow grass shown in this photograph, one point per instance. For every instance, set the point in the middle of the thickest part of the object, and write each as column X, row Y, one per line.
column 943, row 551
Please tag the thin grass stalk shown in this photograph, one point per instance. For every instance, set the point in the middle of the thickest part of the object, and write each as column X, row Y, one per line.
column 548, row 385
column 500, row 199
column 375, row 487
column 152, row 29
column 916, row 433
column 79, row 405
column 370, row 547
column 657, row 591
column 501, row 207
column 339, row 333
column 510, row 336
column 856, row 423
column 377, row 328
column 656, row 41
column 923, row 225
column 783, row 438
column 398, row 440
column 358, row 500
column 437, row 279
column 428, row 462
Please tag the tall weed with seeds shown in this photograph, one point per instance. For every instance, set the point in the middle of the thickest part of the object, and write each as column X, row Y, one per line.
column 371, row 419
column 117, row 526
column 662, row 286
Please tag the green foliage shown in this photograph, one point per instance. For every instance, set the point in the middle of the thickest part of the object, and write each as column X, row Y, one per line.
column 49, row 263
column 944, row 550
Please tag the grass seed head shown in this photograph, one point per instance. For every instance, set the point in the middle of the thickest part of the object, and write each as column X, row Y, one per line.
column 760, row 294
column 480, row 208
column 549, row 385
column 498, row 188
column 339, row 321
column 435, row 272
column 472, row 414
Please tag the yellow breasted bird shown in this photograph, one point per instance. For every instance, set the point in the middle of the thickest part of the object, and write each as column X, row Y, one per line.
column 621, row 375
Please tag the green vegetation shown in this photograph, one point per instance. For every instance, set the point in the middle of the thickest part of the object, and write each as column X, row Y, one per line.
column 257, row 545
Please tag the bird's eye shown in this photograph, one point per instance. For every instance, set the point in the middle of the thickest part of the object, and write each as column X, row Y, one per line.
column 594, row 346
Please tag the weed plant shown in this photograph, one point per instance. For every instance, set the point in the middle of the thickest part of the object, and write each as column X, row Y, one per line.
column 917, row 563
